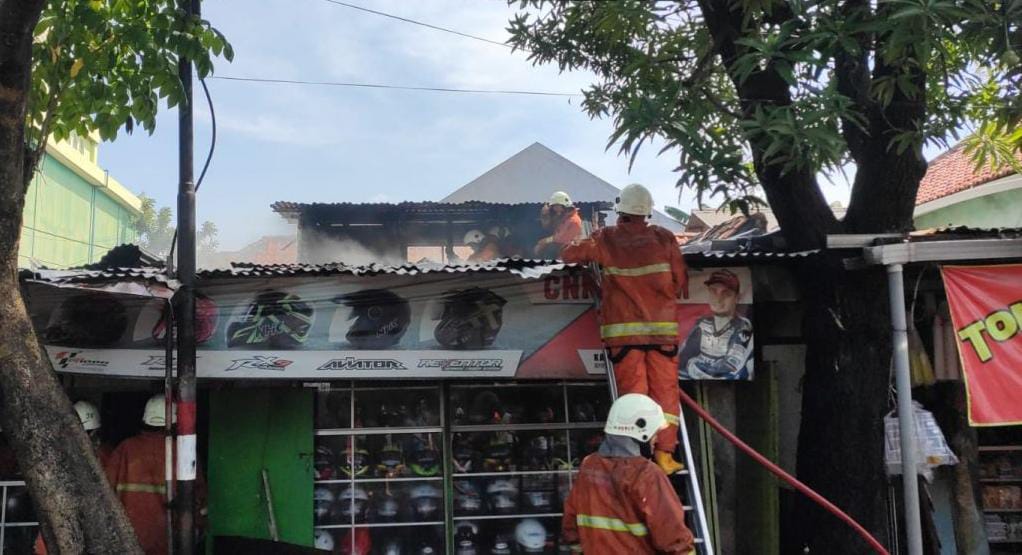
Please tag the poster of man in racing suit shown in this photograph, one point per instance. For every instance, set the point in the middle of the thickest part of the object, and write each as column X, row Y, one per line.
column 720, row 344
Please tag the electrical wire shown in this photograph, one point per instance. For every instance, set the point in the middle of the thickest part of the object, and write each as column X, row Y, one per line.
column 209, row 156
column 393, row 87
column 420, row 23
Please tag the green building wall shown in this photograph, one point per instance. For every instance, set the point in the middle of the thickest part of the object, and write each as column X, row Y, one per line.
column 69, row 222
column 1002, row 209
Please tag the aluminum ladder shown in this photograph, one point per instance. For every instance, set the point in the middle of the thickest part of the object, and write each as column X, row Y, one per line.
column 695, row 512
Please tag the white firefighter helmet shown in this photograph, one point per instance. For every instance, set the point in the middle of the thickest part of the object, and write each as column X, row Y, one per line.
column 636, row 416
column 88, row 414
column 324, row 540
column 560, row 198
column 155, row 413
column 474, row 237
column 530, row 535
column 635, row 200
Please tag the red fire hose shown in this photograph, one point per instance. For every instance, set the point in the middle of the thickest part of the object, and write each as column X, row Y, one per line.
column 777, row 471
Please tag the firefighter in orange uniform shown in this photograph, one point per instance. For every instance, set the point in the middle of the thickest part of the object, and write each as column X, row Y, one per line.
column 562, row 217
column 485, row 247
column 621, row 502
column 137, row 474
column 643, row 275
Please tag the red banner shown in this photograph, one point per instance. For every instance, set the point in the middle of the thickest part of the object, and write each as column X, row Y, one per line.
column 986, row 310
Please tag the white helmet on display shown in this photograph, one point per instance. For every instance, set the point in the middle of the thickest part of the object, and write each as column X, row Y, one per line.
column 560, row 198
column 474, row 237
column 324, row 540
column 635, row 200
column 530, row 536
column 636, row 416
column 88, row 414
column 155, row 413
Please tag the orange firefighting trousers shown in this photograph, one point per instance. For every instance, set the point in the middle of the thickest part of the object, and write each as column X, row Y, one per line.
column 651, row 371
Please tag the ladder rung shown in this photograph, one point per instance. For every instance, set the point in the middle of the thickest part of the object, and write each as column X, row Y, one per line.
column 687, row 508
column 697, row 540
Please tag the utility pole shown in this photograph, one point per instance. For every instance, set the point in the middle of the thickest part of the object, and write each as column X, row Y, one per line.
column 186, row 437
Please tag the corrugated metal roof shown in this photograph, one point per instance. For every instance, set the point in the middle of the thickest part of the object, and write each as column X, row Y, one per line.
column 290, row 208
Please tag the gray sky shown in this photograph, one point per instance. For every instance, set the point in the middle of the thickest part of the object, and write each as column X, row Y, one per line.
column 333, row 144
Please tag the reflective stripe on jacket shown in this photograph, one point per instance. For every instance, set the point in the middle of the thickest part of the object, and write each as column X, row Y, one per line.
column 624, row 505
column 136, row 472
column 643, row 276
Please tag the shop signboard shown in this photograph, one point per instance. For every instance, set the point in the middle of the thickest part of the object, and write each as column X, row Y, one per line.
column 986, row 310
column 471, row 325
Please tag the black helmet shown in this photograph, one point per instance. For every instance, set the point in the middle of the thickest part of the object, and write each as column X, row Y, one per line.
column 537, row 454
column 485, row 408
column 425, row 462
column 275, row 319
column 427, row 547
column 464, row 457
column 89, row 320
column 467, row 500
column 426, row 501
column 386, row 507
column 466, row 538
column 390, row 461
column 381, row 318
column 583, row 411
column 323, row 462
column 502, row 544
column 471, row 318
column 355, row 461
column 497, row 453
column 353, row 503
column 391, row 414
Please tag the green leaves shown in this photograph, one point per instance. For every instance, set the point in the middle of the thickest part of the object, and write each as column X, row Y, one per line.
column 103, row 65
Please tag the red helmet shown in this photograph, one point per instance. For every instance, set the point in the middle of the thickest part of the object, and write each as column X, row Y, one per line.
column 206, row 316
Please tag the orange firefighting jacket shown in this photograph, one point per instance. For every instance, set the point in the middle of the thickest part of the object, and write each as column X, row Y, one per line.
column 488, row 250
column 136, row 473
column 643, row 275
column 624, row 505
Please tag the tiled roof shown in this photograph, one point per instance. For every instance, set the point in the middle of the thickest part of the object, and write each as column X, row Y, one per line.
column 953, row 172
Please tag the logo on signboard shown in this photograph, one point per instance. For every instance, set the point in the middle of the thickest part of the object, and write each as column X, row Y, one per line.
column 594, row 360
column 463, row 364
column 74, row 359
column 352, row 363
column 155, row 362
column 259, row 362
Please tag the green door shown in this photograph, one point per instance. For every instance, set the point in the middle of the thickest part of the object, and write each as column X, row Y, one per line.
column 251, row 430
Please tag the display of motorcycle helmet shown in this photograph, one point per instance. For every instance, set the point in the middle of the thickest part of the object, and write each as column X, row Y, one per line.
column 391, row 546
column 502, row 544
column 380, row 318
column 540, row 501
column 471, row 318
column 530, row 536
column 467, row 499
column 424, row 462
column 583, row 411
column 353, row 504
column 207, row 314
column 502, row 495
column 390, row 460
column 391, row 414
column 485, row 408
column 89, row 320
column 466, row 538
column 324, row 541
column 357, row 542
column 355, row 461
column 425, row 501
column 323, row 502
column 537, row 454
column 464, row 457
column 275, row 320
column 323, row 463
column 497, row 454
column 563, row 456
column 385, row 507
column 427, row 547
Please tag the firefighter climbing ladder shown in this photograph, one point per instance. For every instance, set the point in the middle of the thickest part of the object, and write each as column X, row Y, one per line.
column 695, row 512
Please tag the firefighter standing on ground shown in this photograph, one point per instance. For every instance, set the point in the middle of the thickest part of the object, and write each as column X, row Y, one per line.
column 621, row 502
column 137, row 474
column 643, row 275
column 560, row 216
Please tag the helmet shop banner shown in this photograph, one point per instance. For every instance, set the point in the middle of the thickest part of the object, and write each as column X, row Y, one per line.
column 443, row 325
column 986, row 310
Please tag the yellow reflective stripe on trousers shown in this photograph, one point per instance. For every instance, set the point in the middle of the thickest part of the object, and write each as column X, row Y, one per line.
column 672, row 419
column 612, row 524
column 640, row 271
column 639, row 328
column 142, row 488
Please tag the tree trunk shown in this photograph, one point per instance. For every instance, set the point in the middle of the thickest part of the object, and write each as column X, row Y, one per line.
column 845, row 396
column 77, row 510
